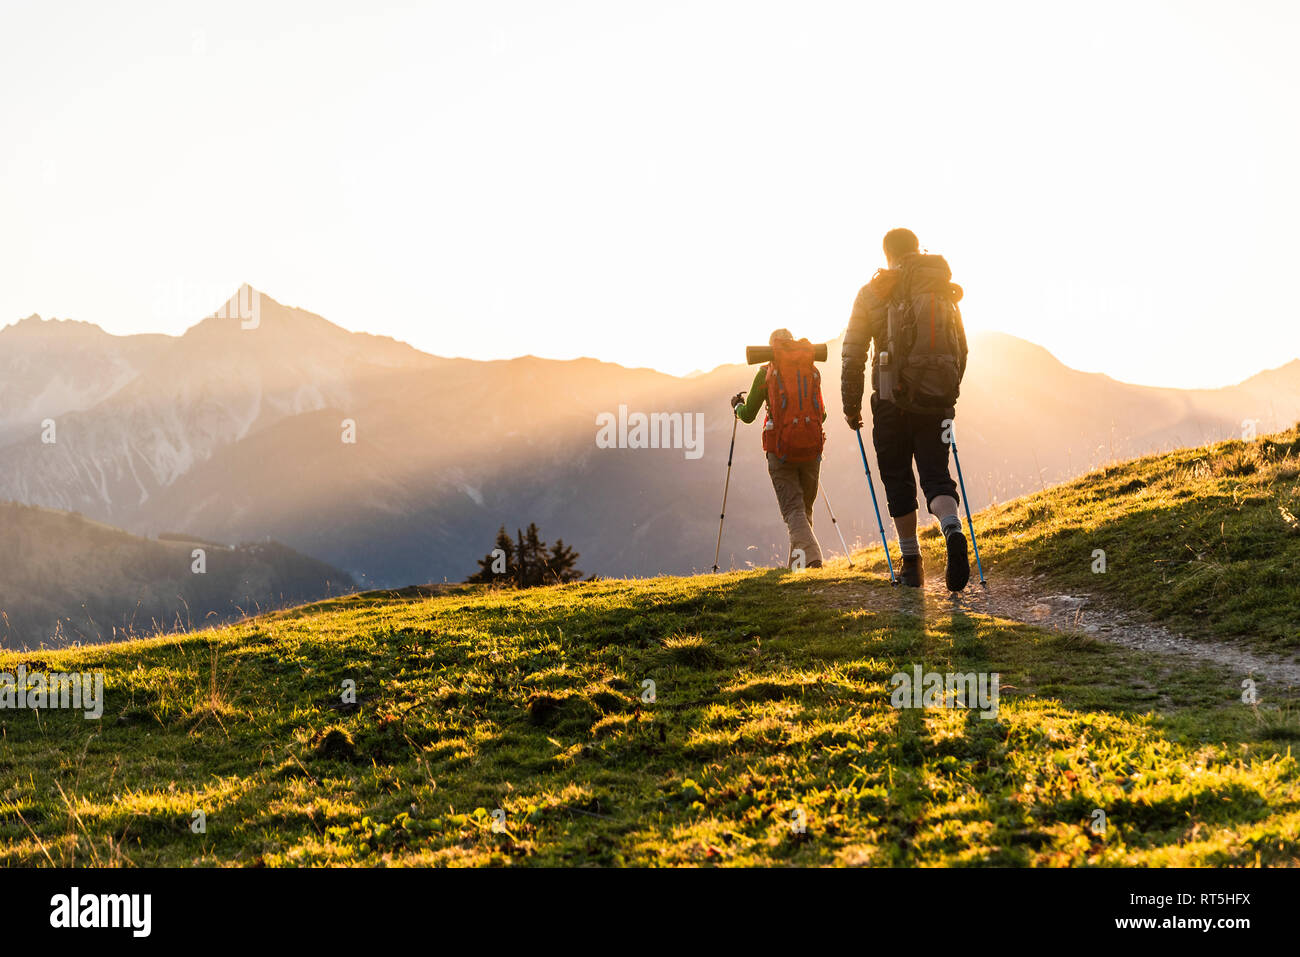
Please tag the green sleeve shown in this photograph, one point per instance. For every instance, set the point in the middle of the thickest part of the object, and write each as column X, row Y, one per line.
column 757, row 396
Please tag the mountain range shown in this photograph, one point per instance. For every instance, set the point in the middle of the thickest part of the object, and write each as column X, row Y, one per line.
column 397, row 466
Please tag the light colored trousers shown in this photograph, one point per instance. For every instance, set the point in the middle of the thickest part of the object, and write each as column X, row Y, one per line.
column 795, row 484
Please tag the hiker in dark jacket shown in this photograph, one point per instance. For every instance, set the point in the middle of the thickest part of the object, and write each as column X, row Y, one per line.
column 795, row 474
column 901, row 434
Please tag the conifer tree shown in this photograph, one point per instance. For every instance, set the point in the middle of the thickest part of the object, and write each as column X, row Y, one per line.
column 501, row 557
column 561, row 563
column 526, row 561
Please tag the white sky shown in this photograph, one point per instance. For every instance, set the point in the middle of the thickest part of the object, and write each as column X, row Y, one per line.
column 661, row 183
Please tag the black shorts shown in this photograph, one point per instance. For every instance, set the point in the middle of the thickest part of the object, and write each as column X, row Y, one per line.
column 899, row 438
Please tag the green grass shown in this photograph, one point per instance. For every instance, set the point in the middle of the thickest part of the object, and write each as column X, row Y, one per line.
column 1204, row 540
column 772, row 707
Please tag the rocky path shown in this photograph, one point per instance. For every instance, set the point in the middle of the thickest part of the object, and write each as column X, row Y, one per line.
column 1034, row 602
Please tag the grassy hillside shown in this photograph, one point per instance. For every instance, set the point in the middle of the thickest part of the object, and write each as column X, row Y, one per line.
column 1205, row 540
column 772, row 710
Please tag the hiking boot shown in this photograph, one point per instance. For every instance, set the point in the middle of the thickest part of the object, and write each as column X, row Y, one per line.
column 958, row 572
column 911, row 574
column 815, row 563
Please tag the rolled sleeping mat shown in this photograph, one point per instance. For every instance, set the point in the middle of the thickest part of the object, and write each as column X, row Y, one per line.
column 757, row 354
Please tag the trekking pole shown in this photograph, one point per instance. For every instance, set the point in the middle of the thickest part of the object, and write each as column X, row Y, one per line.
column 876, row 505
column 952, row 440
column 847, row 554
column 735, row 420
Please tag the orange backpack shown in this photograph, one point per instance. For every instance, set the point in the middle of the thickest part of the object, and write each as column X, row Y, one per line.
column 793, row 428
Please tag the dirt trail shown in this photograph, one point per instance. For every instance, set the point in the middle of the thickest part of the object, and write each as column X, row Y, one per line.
column 1034, row 602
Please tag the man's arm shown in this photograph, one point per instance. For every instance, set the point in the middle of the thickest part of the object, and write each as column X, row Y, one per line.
column 965, row 351
column 757, row 396
column 872, row 299
column 857, row 342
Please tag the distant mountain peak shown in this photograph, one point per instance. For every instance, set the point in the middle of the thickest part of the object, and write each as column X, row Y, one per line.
column 245, row 305
column 34, row 326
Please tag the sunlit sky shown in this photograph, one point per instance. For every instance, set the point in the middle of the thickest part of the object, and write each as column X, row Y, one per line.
column 661, row 183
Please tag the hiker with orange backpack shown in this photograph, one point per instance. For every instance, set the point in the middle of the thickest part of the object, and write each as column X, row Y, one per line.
column 793, row 439
column 909, row 311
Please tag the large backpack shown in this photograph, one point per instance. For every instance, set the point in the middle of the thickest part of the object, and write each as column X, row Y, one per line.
column 922, row 358
column 793, row 428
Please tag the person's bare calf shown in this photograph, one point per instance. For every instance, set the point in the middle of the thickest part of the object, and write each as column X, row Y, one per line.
column 911, row 572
